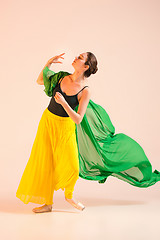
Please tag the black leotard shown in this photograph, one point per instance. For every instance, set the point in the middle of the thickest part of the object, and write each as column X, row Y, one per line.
column 57, row 108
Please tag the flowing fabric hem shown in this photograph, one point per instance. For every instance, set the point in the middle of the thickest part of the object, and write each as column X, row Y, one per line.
column 38, row 200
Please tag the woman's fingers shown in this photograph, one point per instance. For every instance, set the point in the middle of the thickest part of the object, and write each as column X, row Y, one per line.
column 61, row 54
column 55, row 58
column 57, row 62
column 57, row 94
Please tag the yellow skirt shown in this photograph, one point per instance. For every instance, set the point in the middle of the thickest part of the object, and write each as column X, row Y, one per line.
column 53, row 162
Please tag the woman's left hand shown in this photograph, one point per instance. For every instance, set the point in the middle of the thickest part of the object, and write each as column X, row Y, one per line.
column 59, row 98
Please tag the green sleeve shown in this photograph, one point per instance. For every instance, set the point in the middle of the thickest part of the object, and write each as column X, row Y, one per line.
column 50, row 80
column 47, row 75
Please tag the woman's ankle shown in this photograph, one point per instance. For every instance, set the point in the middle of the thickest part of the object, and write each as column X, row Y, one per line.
column 49, row 205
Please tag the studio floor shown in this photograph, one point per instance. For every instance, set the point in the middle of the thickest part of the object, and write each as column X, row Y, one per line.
column 110, row 217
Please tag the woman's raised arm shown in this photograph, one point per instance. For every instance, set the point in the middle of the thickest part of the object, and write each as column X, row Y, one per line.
column 48, row 64
column 40, row 77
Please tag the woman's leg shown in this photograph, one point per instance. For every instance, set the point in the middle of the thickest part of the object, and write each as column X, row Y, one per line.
column 36, row 184
column 73, row 159
column 44, row 208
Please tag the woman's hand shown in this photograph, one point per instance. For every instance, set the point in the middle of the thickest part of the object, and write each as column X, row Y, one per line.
column 59, row 98
column 55, row 59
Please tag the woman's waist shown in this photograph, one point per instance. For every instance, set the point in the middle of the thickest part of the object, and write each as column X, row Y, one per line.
column 58, row 118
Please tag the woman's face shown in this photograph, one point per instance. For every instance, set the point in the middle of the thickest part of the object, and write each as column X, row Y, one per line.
column 79, row 61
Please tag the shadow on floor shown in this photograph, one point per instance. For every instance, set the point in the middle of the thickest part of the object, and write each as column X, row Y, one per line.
column 60, row 205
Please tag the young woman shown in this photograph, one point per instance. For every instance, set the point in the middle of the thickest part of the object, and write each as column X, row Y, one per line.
column 76, row 137
column 54, row 160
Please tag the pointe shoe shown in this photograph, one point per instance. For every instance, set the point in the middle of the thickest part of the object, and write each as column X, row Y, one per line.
column 42, row 209
column 75, row 204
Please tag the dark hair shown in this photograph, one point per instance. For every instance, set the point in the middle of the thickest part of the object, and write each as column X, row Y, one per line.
column 92, row 62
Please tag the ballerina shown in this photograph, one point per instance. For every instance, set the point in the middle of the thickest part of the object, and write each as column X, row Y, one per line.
column 54, row 160
column 75, row 138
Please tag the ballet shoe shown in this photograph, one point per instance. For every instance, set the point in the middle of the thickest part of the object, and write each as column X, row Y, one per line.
column 75, row 204
column 42, row 209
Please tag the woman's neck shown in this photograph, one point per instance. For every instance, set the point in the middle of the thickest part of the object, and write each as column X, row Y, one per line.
column 77, row 77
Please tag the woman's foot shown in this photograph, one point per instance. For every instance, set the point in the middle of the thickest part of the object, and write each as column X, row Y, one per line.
column 44, row 208
column 75, row 204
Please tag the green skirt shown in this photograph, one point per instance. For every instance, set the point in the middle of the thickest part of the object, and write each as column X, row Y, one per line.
column 102, row 153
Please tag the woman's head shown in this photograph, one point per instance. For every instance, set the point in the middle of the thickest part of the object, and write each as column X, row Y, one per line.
column 86, row 63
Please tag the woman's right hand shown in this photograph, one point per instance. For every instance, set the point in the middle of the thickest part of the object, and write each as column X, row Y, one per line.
column 55, row 59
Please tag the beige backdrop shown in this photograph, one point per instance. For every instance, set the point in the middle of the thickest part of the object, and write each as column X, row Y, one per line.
column 124, row 35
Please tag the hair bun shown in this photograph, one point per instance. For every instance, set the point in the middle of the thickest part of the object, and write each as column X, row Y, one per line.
column 92, row 62
column 95, row 70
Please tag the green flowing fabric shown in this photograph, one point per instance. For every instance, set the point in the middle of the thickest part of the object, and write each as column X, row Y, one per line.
column 102, row 153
